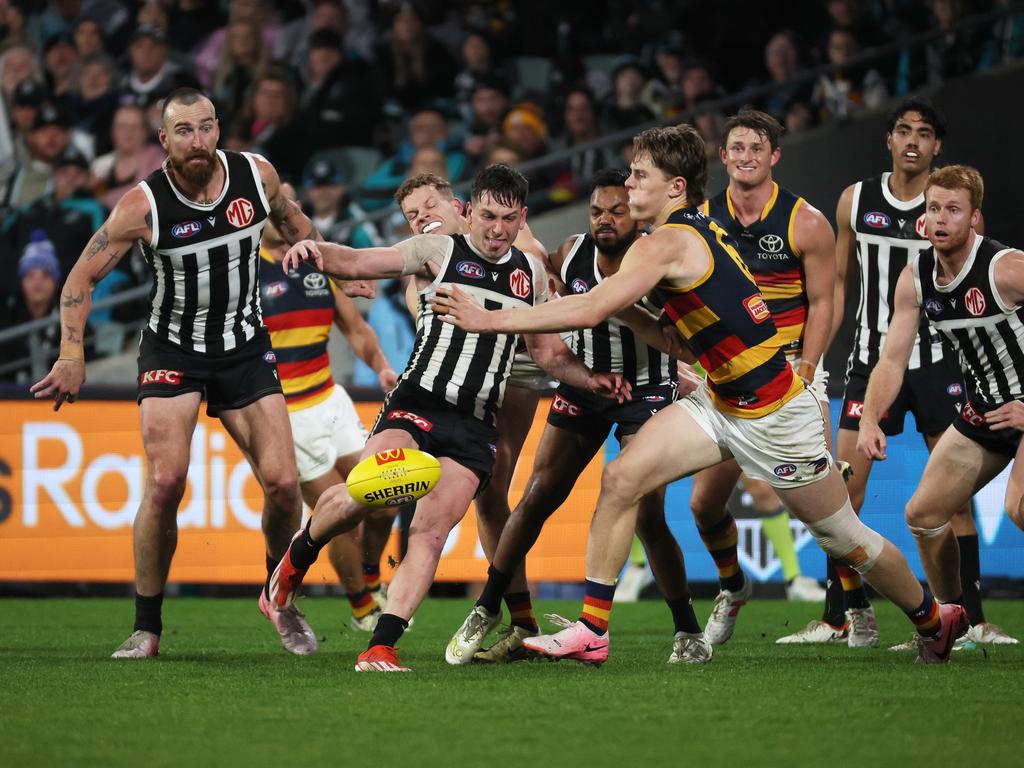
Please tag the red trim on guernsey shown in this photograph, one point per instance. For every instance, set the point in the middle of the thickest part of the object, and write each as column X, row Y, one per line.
column 299, row 318
column 722, row 352
column 294, row 370
column 304, row 396
column 792, row 317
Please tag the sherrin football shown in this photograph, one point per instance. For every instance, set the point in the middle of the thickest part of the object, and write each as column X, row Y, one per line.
column 391, row 478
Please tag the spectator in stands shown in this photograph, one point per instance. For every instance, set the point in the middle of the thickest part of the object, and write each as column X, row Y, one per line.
column 254, row 11
column 625, row 108
column 94, row 98
column 152, row 75
column 18, row 63
column 488, row 104
column 270, row 120
column 38, row 279
column 27, row 99
column 243, row 60
column 33, row 178
column 580, row 126
column 152, row 14
column 956, row 52
column 339, row 106
column 663, row 93
column 293, row 41
column 59, row 56
column 428, row 160
column 88, row 36
column 133, row 158
column 846, row 90
column 799, row 117
column 332, row 210
column 502, row 151
column 193, row 21
column 709, row 121
column 526, row 129
column 414, row 67
column 698, row 84
column 477, row 65
column 12, row 24
column 782, row 61
column 427, row 128
column 1006, row 41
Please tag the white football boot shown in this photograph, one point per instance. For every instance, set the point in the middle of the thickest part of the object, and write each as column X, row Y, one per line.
column 139, row 645
column 470, row 636
column 722, row 622
column 816, row 632
column 691, row 648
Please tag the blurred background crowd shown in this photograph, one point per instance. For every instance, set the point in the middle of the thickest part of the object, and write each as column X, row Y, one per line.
column 349, row 97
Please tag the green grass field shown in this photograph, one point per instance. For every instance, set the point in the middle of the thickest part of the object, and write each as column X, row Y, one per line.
column 225, row 693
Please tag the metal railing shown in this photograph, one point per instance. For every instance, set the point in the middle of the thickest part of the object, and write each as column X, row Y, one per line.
column 382, row 218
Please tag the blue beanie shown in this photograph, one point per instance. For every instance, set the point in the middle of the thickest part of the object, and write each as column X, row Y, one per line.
column 39, row 254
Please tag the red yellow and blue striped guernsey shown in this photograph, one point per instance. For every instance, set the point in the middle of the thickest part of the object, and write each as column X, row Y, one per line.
column 725, row 320
column 298, row 310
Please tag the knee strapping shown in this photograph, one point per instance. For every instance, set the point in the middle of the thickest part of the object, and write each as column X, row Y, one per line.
column 928, row 533
column 847, row 539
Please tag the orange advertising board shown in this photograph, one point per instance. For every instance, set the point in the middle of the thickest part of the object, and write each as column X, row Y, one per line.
column 71, row 482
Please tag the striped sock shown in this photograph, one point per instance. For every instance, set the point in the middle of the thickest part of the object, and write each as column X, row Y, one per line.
column 721, row 540
column 362, row 603
column 597, row 605
column 520, row 609
column 371, row 576
column 853, row 587
column 926, row 617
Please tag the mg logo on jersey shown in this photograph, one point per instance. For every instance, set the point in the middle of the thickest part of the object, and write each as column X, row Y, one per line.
column 579, row 285
column 877, row 220
column 161, row 376
column 920, row 228
column 240, row 212
column 564, row 407
column 519, row 282
column 315, row 281
column 388, row 457
column 974, row 301
column 757, row 308
column 470, row 269
column 186, row 229
column 854, row 409
column 770, row 243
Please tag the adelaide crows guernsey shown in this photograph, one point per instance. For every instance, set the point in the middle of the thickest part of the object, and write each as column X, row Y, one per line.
column 766, row 247
column 205, row 259
column 725, row 320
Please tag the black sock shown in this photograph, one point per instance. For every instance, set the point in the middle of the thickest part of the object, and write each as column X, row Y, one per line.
column 304, row 550
column 271, row 567
column 494, row 589
column 683, row 616
column 389, row 629
column 970, row 577
column 835, row 608
column 147, row 613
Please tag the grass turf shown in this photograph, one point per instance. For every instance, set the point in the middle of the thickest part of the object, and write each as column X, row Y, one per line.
column 225, row 693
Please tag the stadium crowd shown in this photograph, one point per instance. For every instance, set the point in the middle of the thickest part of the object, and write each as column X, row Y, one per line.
column 349, row 98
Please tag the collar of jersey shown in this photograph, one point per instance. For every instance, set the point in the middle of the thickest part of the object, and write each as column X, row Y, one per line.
column 764, row 211
column 192, row 203
column 964, row 270
column 502, row 263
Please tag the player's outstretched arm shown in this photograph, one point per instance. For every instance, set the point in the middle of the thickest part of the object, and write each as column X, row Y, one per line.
column 817, row 244
column 887, row 376
column 550, row 353
column 845, row 263
column 363, row 340
column 130, row 220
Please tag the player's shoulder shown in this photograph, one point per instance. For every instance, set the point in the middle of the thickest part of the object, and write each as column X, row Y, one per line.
column 560, row 255
column 133, row 211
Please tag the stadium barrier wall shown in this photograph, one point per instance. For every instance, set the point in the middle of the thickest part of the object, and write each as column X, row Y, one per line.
column 70, row 484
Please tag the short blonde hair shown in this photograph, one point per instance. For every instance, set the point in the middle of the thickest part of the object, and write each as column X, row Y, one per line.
column 959, row 177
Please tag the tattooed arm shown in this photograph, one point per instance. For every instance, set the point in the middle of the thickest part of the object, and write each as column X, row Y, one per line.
column 129, row 221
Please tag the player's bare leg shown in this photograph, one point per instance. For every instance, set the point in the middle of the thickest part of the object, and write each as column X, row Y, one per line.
column 167, row 427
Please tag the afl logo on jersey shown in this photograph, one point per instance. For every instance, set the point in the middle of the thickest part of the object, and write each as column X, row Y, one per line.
column 920, row 228
column 269, row 357
column 877, row 220
column 315, row 281
column 519, row 282
column 579, row 285
column 757, row 308
column 186, row 229
column 974, row 301
column 240, row 212
column 955, row 390
column 274, row 290
column 470, row 269
column 771, row 243
column 933, row 307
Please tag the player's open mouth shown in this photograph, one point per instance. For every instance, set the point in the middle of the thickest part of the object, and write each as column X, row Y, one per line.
column 912, row 155
column 431, row 227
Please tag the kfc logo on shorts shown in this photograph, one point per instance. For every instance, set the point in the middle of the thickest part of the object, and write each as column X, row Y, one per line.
column 955, row 390
column 161, row 376
column 519, row 282
column 757, row 308
column 854, row 409
column 415, row 418
column 877, row 220
column 470, row 269
column 270, row 357
column 920, row 228
column 388, row 457
column 579, row 285
column 971, row 416
column 654, row 398
column 240, row 212
column 564, row 407
column 974, row 301
column 785, row 470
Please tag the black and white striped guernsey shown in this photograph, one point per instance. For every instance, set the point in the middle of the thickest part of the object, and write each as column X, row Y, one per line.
column 970, row 313
column 610, row 346
column 469, row 370
column 205, row 259
column 890, row 234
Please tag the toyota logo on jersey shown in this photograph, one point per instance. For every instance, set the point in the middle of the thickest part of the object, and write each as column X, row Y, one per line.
column 519, row 282
column 240, row 212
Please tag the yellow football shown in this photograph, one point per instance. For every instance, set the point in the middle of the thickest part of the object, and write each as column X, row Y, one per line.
column 391, row 478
